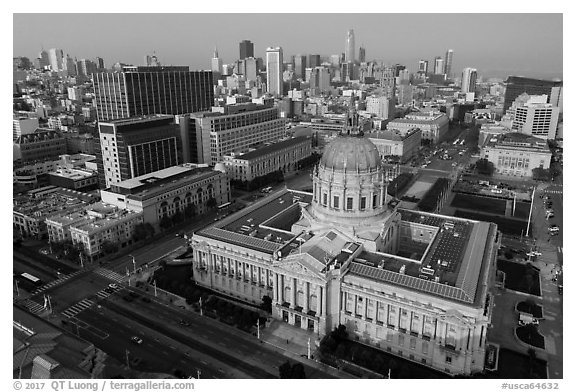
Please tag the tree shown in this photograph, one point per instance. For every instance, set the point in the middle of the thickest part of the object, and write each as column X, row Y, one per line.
column 142, row 231
column 285, row 370
column 212, row 203
column 190, row 210
column 484, row 166
column 541, row 174
column 340, row 333
column 165, row 222
column 298, row 371
column 266, row 304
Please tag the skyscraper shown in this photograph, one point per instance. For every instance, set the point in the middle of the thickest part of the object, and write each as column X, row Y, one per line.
column 362, row 54
column 100, row 63
column 216, row 64
column 469, row 80
column 448, row 63
column 43, row 59
column 274, row 64
column 300, row 66
column 246, row 49
column 313, row 61
column 423, row 66
column 137, row 91
column 56, row 57
column 350, row 47
column 438, row 65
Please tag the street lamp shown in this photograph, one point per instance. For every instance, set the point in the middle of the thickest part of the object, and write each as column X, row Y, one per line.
column 17, row 289
column 155, row 289
column 258, row 328
column 133, row 262
column 198, row 374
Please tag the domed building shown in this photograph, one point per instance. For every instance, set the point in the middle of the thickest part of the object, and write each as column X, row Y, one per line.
column 411, row 283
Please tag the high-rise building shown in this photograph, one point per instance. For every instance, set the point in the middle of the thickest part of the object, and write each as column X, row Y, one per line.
column 438, row 65
column 313, row 61
column 362, row 54
column 216, row 64
column 69, row 65
column 274, row 65
column 516, row 85
column 138, row 91
column 381, row 107
column 136, row 146
column 85, row 67
column 335, row 60
column 448, row 63
column 43, row 59
column 250, row 68
column 423, row 66
column 350, row 47
column 469, row 76
column 56, row 58
column 300, row 66
column 151, row 61
column 319, row 79
column 246, row 49
column 532, row 115
column 100, row 64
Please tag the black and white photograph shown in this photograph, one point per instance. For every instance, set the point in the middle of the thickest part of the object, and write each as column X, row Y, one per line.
column 328, row 193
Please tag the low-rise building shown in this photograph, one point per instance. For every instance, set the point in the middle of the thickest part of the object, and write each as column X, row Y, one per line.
column 77, row 179
column 31, row 210
column 104, row 223
column 185, row 189
column 516, row 154
column 42, row 145
column 282, row 156
column 433, row 124
column 394, row 142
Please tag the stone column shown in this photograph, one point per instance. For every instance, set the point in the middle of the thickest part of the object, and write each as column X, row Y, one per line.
column 319, row 300
column 355, row 304
column 323, row 292
column 306, row 296
column 293, row 288
column 282, row 289
column 276, row 288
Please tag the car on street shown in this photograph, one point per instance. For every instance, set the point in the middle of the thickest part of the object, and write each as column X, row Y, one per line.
column 113, row 286
column 184, row 322
column 136, row 339
column 44, row 251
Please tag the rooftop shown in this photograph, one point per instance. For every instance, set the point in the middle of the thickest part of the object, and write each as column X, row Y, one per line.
column 74, row 174
column 139, row 119
column 517, row 141
column 451, row 268
column 272, row 148
column 158, row 182
column 391, row 134
column 57, row 202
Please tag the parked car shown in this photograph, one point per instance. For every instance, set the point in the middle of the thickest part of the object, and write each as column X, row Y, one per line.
column 136, row 339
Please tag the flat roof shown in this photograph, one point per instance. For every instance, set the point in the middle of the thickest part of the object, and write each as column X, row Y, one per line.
column 273, row 148
column 451, row 268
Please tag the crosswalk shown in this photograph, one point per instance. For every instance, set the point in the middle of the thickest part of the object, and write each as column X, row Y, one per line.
column 33, row 307
column 112, row 275
column 102, row 294
column 56, row 282
column 77, row 308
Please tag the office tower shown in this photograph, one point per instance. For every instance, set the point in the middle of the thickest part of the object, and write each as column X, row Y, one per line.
column 534, row 116
column 132, row 147
column 56, row 57
column 85, row 67
column 300, row 66
column 516, row 85
column 469, row 76
column 137, row 91
column 382, row 107
column 448, row 63
column 319, row 79
column 438, row 66
column 423, row 66
column 274, row 64
column 151, row 61
column 216, row 64
column 100, row 64
column 335, row 60
column 246, row 49
column 211, row 135
column 362, row 54
column 350, row 47
column 313, row 60
column 69, row 65
column 43, row 59
column 250, row 68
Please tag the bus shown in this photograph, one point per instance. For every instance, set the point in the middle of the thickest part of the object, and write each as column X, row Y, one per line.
column 31, row 279
column 223, row 206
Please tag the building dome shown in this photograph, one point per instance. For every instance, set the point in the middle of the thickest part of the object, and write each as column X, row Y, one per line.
column 351, row 154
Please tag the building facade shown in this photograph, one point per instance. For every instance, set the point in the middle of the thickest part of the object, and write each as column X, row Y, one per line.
column 41, row 145
column 184, row 189
column 516, row 154
column 274, row 69
column 282, row 156
column 403, row 145
column 518, row 85
column 413, row 284
column 136, row 146
column 469, row 76
column 350, row 47
column 434, row 125
column 237, row 128
column 141, row 91
column 532, row 116
column 382, row 107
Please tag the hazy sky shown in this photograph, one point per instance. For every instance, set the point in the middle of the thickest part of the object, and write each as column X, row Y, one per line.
column 495, row 44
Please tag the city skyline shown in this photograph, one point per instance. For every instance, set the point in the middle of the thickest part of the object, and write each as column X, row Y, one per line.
column 489, row 50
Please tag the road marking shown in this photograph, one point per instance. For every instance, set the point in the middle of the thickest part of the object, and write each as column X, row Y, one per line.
column 172, row 347
column 203, row 362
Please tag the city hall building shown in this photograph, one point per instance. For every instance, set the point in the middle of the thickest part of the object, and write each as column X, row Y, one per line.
column 410, row 283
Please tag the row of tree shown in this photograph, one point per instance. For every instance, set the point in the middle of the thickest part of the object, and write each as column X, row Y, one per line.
column 270, row 178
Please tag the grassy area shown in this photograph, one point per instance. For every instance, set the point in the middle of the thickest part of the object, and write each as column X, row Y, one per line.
column 529, row 334
column 520, row 277
column 513, row 365
column 484, row 204
column 505, row 225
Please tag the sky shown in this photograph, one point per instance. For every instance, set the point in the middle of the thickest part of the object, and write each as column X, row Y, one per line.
column 497, row 45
